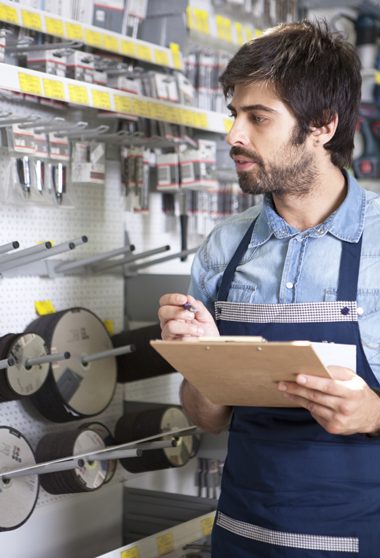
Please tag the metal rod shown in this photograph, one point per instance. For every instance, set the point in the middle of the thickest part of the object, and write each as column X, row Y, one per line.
column 18, row 120
column 93, row 132
column 21, row 262
column 81, row 240
column 49, row 122
column 165, row 258
column 10, row 246
column 55, row 357
column 85, row 359
column 64, row 267
column 46, row 46
column 26, row 252
column 7, row 362
column 128, row 259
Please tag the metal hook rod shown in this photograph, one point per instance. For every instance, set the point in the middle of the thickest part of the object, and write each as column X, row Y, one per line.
column 64, row 267
column 26, row 252
column 93, row 132
column 128, row 259
column 165, row 259
column 85, row 359
column 46, row 46
column 55, row 357
column 120, row 454
column 7, row 362
column 51, row 121
column 18, row 120
column 53, row 128
column 10, row 246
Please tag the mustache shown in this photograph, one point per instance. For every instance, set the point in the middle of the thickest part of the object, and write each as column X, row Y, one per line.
column 236, row 151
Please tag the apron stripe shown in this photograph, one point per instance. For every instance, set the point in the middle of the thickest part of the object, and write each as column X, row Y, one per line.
column 282, row 538
column 336, row 311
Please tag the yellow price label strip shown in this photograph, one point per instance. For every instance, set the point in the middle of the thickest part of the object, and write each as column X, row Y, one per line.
column 9, row 14
column 54, row 26
column 44, row 307
column 176, row 56
column 249, row 35
column 161, row 57
column 123, row 104
column 94, row 38
column 31, row 20
column 239, row 33
column 165, row 543
column 101, row 99
column 111, row 43
column 128, row 48
column 227, row 124
column 144, row 53
column 206, row 525
column 54, row 89
column 78, row 94
column 30, row 84
column 74, row 31
column 130, row 553
column 258, row 32
column 201, row 21
column 200, row 120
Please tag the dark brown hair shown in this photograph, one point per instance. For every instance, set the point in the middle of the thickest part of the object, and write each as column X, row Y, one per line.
column 314, row 71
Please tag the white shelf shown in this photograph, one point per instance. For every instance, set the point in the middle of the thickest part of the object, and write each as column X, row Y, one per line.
column 51, row 24
column 166, row 541
column 81, row 93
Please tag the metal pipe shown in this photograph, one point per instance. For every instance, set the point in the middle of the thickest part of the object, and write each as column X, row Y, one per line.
column 165, row 259
column 10, row 246
column 21, row 262
column 26, row 252
column 64, row 267
column 128, row 259
column 7, row 362
column 85, row 359
column 46, row 46
column 55, row 357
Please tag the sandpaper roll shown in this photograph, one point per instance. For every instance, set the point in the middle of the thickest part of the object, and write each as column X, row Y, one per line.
column 144, row 362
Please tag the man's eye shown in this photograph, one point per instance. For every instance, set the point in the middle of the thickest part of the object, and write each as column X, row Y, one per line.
column 232, row 115
column 258, row 119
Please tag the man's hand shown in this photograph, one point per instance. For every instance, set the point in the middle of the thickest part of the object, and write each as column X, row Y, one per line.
column 178, row 323
column 344, row 404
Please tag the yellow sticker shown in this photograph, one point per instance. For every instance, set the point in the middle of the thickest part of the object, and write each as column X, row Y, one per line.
column 201, row 21
column 205, row 22
column 165, row 543
column 74, row 31
column 111, row 43
column 206, row 525
column 128, row 48
column 248, row 32
column 161, row 57
column 143, row 108
column 101, row 99
column 54, row 26
column 239, row 33
column 9, row 14
column 176, row 56
column 78, row 94
column 201, row 120
column 29, row 84
column 130, row 553
column 44, row 307
column 94, row 38
column 54, row 89
column 258, row 32
column 124, row 104
column 31, row 20
column 110, row 326
column 144, row 53
column 227, row 124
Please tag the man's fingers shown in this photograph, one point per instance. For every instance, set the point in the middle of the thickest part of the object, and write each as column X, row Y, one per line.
column 174, row 329
column 173, row 299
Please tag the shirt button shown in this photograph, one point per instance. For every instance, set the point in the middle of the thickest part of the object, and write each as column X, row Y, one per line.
column 289, row 285
column 360, row 310
column 321, row 230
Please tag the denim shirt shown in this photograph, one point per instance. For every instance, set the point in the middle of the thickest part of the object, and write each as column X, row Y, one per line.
column 283, row 265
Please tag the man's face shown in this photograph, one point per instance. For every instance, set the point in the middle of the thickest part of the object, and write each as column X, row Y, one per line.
column 267, row 157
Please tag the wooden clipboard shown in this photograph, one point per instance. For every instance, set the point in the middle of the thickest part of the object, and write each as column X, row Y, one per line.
column 246, row 371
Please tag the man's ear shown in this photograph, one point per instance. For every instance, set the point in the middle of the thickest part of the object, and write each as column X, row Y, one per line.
column 323, row 134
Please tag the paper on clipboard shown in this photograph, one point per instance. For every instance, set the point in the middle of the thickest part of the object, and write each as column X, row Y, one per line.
column 246, row 371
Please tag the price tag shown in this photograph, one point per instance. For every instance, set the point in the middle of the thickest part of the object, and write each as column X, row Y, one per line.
column 31, row 20
column 101, row 99
column 128, row 48
column 201, row 21
column 74, row 31
column 9, row 14
column 161, row 57
column 130, row 553
column 30, row 84
column 239, row 33
column 111, row 43
column 249, row 35
column 258, row 32
column 54, row 89
column 176, row 56
column 93, row 38
column 224, row 28
column 78, row 95
column 124, row 104
column 201, row 120
column 206, row 525
column 228, row 29
column 143, row 108
column 54, row 27
column 144, row 53
column 44, row 307
column 227, row 124
column 165, row 543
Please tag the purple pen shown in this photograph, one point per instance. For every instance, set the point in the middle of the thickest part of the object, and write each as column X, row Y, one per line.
column 190, row 307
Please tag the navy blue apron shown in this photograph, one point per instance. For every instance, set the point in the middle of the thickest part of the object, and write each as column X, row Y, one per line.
column 289, row 488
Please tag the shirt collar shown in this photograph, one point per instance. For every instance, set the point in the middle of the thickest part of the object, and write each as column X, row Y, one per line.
column 345, row 223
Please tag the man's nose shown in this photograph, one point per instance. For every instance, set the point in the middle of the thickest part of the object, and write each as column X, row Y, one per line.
column 238, row 134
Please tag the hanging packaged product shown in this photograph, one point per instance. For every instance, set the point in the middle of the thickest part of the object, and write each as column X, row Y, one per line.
column 135, row 176
column 198, row 166
column 108, row 14
column 167, row 172
column 80, row 66
column 48, row 61
column 88, row 162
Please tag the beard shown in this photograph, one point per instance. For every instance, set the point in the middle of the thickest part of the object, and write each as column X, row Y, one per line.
column 295, row 176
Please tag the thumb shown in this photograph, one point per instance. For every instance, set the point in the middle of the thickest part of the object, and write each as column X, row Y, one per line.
column 341, row 373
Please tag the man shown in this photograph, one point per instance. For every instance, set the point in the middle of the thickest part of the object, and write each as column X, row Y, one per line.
column 302, row 481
